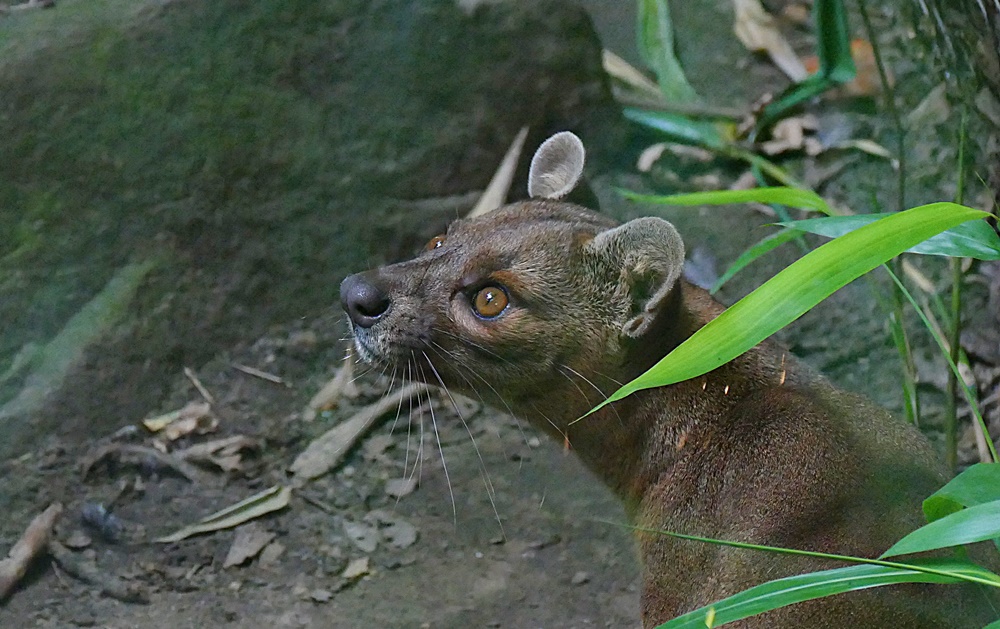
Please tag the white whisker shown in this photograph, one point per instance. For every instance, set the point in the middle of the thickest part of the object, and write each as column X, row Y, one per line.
column 490, row 490
column 437, row 436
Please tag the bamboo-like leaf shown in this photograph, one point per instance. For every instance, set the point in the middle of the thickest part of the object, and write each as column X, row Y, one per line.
column 267, row 501
column 791, row 590
column 781, row 195
column 766, row 245
column 656, row 47
column 977, row 523
column 681, row 128
column 974, row 239
column 975, row 486
column 796, row 289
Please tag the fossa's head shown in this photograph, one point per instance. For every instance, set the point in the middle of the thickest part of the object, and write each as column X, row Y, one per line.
column 523, row 301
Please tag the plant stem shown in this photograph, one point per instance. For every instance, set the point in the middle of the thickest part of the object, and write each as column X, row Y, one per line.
column 911, row 400
column 890, row 103
column 965, row 389
column 955, row 331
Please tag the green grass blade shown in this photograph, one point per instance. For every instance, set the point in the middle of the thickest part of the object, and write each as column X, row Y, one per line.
column 993, row 625
column 656, row 47
column 975, row 486
column 766, row 245
column 780, row 195
column 796, row 289
column 977, row 523
column 681, row 128
column 791, row 590
column 974, row 239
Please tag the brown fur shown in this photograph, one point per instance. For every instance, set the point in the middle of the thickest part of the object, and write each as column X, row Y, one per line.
column 760, row 450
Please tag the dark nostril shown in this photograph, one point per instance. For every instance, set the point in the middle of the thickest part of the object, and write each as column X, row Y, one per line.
column 363, row 301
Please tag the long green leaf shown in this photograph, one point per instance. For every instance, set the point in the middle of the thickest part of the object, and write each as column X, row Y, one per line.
column 796, row 289
column 973, row 524
column 975, row 486
column 679, row 128
column 791, row 590
column 766, row 245
column 656, row 47
column 975, row 239
column 781, row 195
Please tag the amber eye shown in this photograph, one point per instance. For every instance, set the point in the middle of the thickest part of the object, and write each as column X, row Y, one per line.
column 490, row 301
column 434, row 243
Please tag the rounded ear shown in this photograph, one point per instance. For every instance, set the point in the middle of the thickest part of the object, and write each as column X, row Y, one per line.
column 556, row 167
column 650, row 255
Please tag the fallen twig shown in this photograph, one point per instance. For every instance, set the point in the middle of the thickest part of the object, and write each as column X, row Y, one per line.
column 263, row 375
column 32, row 543
column 87, row 571
column 140, row 455
column 193, row 377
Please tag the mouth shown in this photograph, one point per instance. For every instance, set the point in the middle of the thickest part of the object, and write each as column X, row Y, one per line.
column 365, row 345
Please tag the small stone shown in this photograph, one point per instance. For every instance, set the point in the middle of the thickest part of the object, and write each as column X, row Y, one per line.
column 400, row 534
column 271, row 553
column 77, row 540
column 580, row 578
column 321, row 596
column 364, row 536
column 399, row 487
column 534, row 442
column 356, row 569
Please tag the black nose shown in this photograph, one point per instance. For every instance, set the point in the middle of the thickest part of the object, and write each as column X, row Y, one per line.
column 363, row 301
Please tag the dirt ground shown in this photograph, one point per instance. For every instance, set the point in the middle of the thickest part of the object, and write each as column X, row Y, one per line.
column 462, row 562
column 435, row 519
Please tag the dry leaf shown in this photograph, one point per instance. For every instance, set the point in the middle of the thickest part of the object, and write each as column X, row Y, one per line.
column 793, row 134
column 623, row 71
column 327, row 450
column 499, row 186
column 267, row 501
column 226, row 453
column 758, row 31
column 250, row 540
column 342, row 385
column 196, row 417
